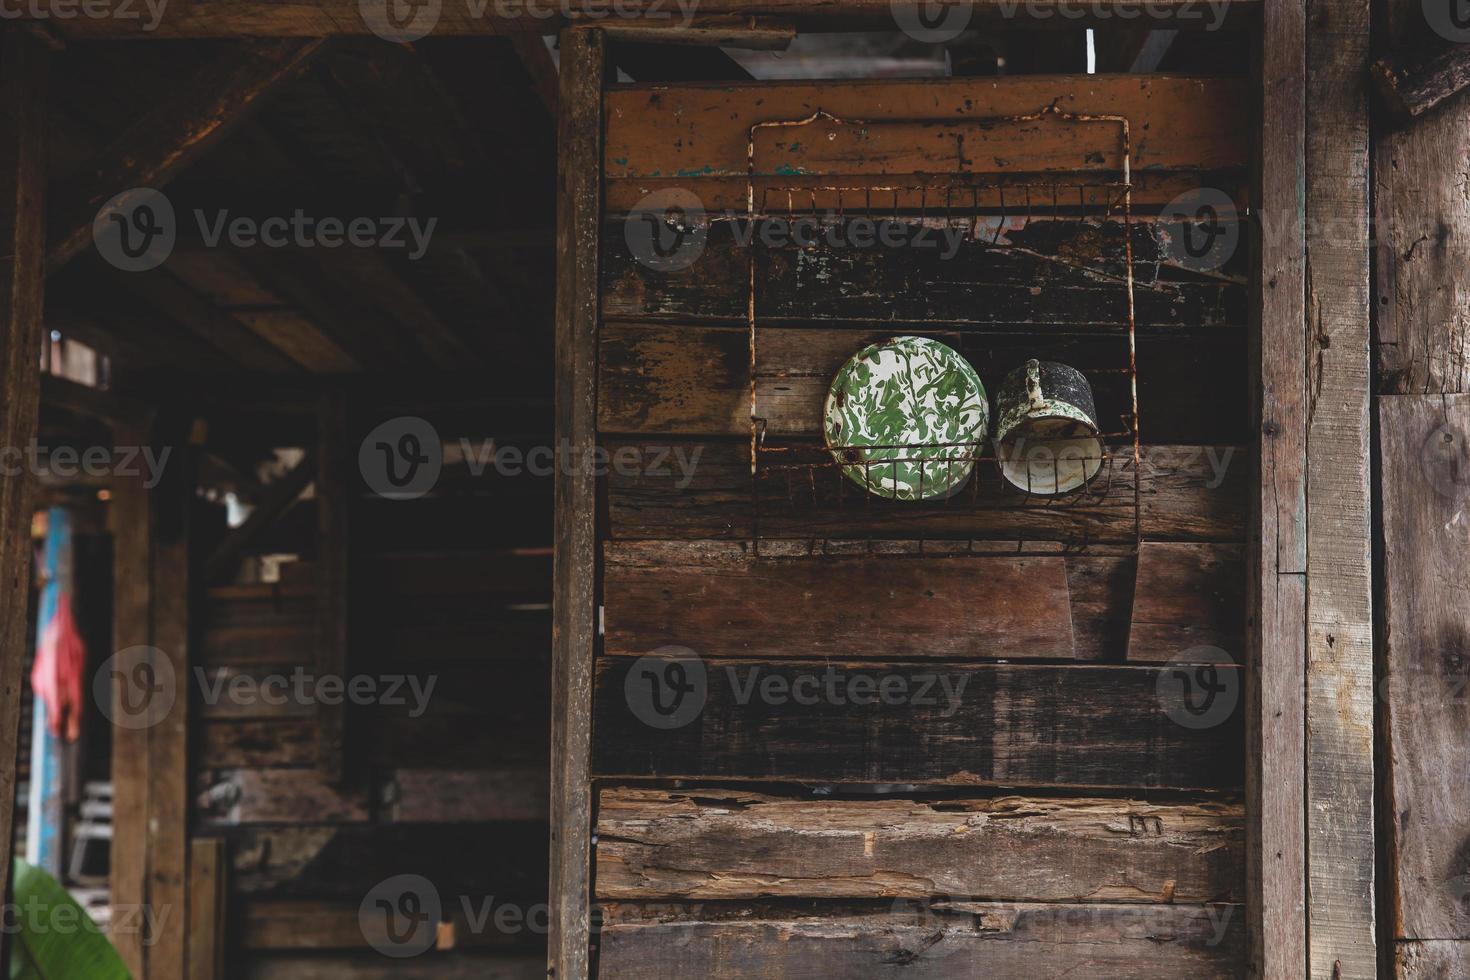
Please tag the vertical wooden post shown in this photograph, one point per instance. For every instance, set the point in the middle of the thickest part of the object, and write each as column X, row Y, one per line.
column 168, row 736
column 23, row 62
column 1275, row 784
column 332, row 504
column 1339, row 670
column 574, row 617
column 208, row 892
column 131, row 519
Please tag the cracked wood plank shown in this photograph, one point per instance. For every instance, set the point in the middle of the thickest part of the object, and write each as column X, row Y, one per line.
column 713, row 844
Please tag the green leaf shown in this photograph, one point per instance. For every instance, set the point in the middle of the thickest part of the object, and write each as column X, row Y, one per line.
column 55, row 939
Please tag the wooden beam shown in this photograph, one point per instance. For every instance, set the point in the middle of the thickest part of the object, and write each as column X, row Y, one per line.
column 280, row 495
column 1275, row 722
column 536, row 58
column 1339, row 656
column 334, row 464
column 170, row 789
column 101, row 404
column 131, row 520
column 709, row 33
column 208, row 896
column 23, row 80
column 1409, row 92
column 1425, row 490
column 320, row 18
column 175, row 133
column 175, row 300
column 578, row 220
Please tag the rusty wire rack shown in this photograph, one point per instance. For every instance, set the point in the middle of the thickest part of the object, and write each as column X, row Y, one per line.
column 797, row 477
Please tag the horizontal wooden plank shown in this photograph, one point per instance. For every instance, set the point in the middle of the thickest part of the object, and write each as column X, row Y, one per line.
column 231, row 743
column 466, row 795
column 919, row 193
column 686, row 379
column 322, row 18
column 371, row 965
column 704, row 131
column 1047, row 278
column 730, row 844
column 297, row 861
column 1144, row 942
column 714, row 597
column 336, row 925
column 1187, row 596
column 245, row 796
column 704, row 490
column 949, row 723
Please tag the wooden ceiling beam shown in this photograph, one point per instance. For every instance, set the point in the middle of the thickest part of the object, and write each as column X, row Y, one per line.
column 165, row 141
column 319, row 18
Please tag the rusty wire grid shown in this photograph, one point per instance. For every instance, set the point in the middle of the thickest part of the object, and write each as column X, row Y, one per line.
column 992, row 210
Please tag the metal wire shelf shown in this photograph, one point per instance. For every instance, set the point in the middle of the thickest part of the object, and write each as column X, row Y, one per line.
column 993, row 212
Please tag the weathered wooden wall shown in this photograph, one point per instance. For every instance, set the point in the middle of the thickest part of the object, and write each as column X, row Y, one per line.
column 915, row 852
column 456, row 794
column 1422, row 382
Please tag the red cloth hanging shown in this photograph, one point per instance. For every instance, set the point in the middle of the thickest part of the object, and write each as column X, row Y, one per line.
column 56, row 675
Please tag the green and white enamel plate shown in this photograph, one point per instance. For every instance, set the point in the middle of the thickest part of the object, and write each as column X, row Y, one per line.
column 905, row 418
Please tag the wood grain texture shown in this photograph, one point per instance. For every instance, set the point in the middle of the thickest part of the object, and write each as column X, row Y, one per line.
column 174, row 574
column 968, row 939
column 24, row 62
column 690, row 489
column 1052, row 277
column 208, row 895
column 1421, row 217
column 1440, row 959
column 1187, row 595
column 1340, row 699
column 131, row 521
column 1277, row 563
column 246, row 796
column 713, row 597
column 579, row 183
column 993, row 724
column 1412, row 90
column 321, row 18
column 712, row 844
column 702, row 131
column 1425, row 496
column 172, row 135
column 690, row 379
